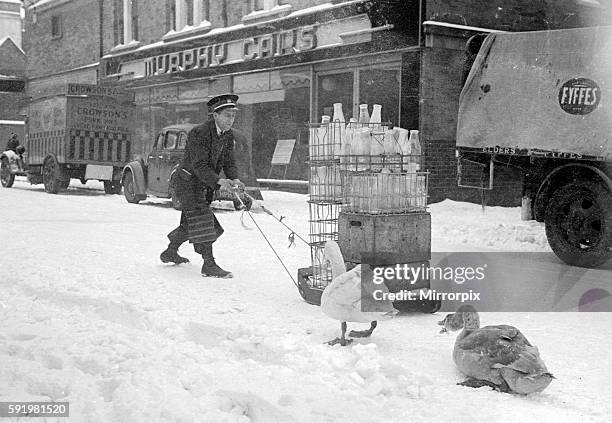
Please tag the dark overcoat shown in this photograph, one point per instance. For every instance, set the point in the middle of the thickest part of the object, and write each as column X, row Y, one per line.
column 206, row 154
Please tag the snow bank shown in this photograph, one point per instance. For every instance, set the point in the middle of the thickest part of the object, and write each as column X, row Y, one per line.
column 89, row 315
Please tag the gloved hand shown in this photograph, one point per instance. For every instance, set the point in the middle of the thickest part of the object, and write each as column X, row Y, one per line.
column 225, row 183
column 238, row 183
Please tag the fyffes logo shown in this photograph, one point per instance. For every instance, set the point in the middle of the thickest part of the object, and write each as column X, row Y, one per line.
column 579, row 96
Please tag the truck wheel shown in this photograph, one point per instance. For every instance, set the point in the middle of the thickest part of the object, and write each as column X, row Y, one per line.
column 579, row 224
column 129, row 190
column 52, row 175
column 112, row 187
column 6, row 177
column 176, row 201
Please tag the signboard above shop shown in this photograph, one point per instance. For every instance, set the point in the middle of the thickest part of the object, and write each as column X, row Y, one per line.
column 270, row 45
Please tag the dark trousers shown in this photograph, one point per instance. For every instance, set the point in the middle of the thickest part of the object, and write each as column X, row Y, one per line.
column 181, row 234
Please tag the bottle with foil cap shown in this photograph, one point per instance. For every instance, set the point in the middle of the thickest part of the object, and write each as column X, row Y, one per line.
column 364, row 116
column 415, row 151
column 349, row 147
column 324, row 147
column 338, row 131
column 376, row 118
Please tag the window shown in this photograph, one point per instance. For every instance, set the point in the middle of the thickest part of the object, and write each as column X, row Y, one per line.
column 56, row 26
column 335, row 88
column 190, row 13
column 125, row 21
column 381, row 86
column 366, row 85
column 182, row 141
column 260, row 10
column 160, row 142
column 118, row 22
column 257, row 5
column 170, row 141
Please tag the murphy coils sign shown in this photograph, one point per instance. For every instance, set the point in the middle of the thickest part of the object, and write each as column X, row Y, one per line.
column 269, row 45
column 280, row 43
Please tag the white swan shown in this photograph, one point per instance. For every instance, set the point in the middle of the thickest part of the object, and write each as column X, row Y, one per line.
column 342, row 298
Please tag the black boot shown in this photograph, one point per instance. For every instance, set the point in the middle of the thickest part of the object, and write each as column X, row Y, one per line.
column 170, row 254
column 210, row 267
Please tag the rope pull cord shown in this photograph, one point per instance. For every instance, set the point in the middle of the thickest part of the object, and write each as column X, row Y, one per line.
column 292, row 235
column 273, row 250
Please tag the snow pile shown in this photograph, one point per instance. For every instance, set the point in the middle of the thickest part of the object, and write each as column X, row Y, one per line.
column 88, row 315
column 496, row 228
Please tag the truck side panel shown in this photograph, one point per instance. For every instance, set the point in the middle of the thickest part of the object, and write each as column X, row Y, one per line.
column 46, row 130
column 98, row 130
column 548, row 90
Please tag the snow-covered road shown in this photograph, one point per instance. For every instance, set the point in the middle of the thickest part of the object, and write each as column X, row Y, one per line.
column 89, row 315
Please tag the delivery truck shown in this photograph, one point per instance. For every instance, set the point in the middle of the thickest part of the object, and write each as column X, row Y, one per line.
column 541, row 102
column 84, row 132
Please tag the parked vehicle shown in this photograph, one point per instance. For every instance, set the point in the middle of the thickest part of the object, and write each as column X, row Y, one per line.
column 156, row 173
column 11, row 165
column 84, row 132
column 541, row 102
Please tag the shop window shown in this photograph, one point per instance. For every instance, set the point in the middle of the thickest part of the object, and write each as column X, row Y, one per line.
column 170, row 141
column 56, row 26
column 280, row 110
column 335, row 88
column 360, row 85
column 381, row 86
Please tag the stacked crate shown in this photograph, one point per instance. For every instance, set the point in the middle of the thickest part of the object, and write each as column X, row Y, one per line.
column 384, row 219
column 325, row 200
column 374, row 206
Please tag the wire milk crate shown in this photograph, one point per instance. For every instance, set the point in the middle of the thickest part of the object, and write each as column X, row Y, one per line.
column 388, row 185
column 325, row 200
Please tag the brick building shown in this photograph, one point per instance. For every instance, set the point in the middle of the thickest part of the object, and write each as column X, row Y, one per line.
column 289, row 60
column 12, row 72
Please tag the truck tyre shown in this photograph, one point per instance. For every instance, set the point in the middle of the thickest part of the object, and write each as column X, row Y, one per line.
column 52, row 175
column 6, row 177
column 112, row 187
column 579, row 224
column 176, row 201
column 129, row 189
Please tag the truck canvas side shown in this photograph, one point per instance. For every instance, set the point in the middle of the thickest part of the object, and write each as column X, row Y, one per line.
column 542, row 102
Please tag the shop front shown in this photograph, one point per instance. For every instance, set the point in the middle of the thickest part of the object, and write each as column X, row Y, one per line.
column 287, row 72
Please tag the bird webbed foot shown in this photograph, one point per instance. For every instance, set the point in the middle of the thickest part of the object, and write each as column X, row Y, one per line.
column 479, row 383
column 341, row 341
column 363, row 333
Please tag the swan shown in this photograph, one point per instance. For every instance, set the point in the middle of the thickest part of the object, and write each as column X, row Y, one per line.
column 342, row 298
column 497, row 356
